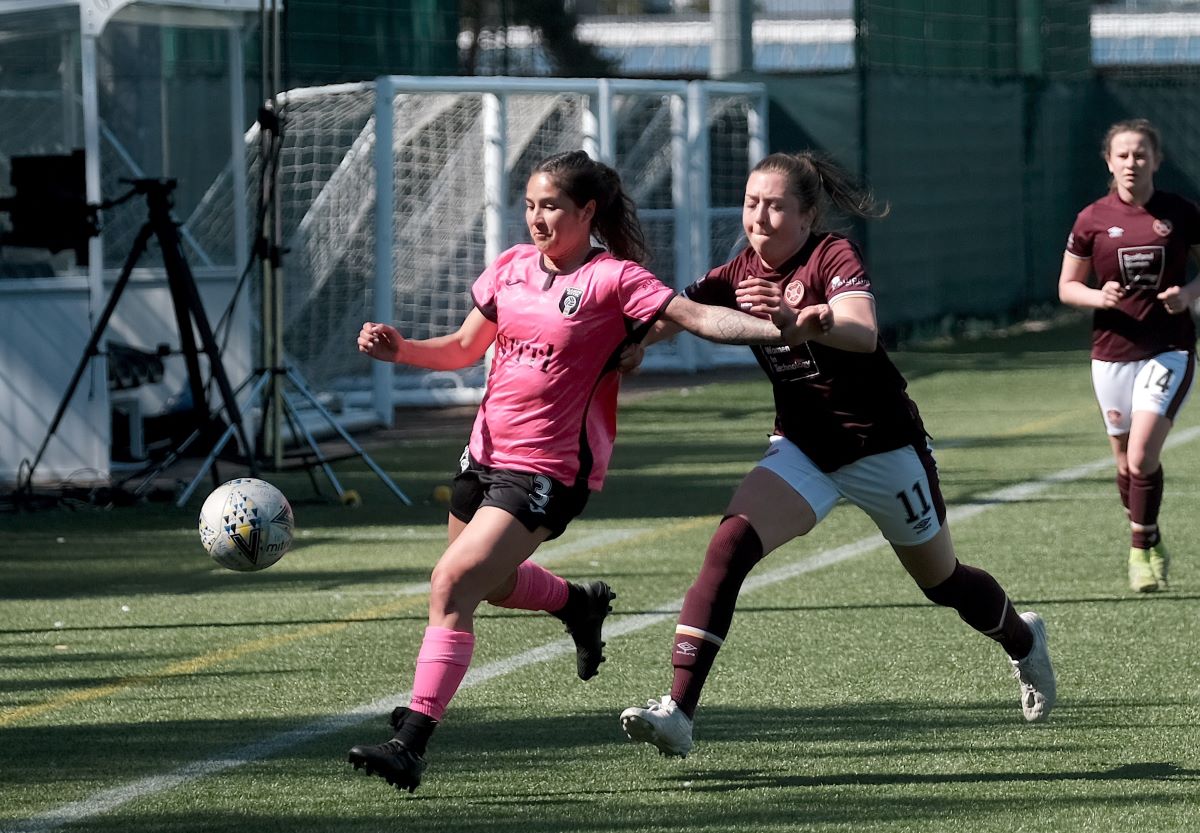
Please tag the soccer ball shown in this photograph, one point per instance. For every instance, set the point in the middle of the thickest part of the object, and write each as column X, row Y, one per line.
column 246, row 524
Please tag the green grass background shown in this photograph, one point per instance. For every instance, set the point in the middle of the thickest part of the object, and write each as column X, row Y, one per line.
column 843, row 700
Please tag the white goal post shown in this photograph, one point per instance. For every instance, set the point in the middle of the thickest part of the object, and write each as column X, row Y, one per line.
column 396, row 194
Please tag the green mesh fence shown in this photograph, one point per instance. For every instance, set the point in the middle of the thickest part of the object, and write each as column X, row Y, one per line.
column 980, row 122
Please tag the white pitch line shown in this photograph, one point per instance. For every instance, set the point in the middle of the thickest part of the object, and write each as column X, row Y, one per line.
column 106, row 800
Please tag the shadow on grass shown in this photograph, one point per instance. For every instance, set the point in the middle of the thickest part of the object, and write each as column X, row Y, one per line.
column 723, row 781
column 129, row 577
column 262, row 627
column 266, row 624
column 492, row 770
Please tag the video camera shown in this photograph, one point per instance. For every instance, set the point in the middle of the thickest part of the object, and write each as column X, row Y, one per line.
column 50, row 209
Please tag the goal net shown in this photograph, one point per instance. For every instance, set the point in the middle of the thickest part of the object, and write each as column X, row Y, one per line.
column 454, row 176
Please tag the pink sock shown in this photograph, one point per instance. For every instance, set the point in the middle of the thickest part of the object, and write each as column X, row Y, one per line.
column 537, row 589
column 441, row 666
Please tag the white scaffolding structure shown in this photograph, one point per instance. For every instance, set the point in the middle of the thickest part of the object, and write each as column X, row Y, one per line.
column 34, row 375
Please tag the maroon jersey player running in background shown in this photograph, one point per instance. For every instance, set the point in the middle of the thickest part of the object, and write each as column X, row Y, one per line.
column 1135, row 241
column 844, row 427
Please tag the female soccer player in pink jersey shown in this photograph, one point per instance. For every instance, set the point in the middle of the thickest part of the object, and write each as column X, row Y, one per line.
column 844, row 428
column 560, row 311
column 1126, row 259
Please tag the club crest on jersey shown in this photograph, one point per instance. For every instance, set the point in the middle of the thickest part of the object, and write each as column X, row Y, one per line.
column 1116, row 231
column 1142, row 266
column 1162, row 227
column 793, row 293
column 569, row 303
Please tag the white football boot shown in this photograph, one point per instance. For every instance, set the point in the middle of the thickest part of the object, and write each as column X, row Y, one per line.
column 660, row 724
column 1035, row 673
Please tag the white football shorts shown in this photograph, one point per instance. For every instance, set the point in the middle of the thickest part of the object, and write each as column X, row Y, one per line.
column 895, row 488
column 1160, row 385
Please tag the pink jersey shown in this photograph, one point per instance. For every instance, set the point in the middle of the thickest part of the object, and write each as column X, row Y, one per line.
column 1145, row 249
column 551, row 401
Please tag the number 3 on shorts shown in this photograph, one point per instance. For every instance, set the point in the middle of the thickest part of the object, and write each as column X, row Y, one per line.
column 540, row 496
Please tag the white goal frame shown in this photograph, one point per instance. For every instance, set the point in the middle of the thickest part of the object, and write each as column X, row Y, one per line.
column 690, row 106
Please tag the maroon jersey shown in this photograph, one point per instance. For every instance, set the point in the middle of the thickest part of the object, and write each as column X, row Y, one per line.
column 835, row 405
column 1145, row 249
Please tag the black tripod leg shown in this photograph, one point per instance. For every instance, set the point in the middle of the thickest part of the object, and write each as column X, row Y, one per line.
column 135, row 252
column 184, row 289
column 295, row 379
column 264, row 377
column 293, row 421
column 298, row 427
column 155, row 469
column 187, row 347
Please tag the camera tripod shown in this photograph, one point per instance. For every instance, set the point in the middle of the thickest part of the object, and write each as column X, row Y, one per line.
column 262, row 379
column 189, row 318
column 267, row 382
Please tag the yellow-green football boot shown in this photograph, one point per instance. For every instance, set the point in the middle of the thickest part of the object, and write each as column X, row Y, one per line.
column 1160, row 561
column 1141, row 575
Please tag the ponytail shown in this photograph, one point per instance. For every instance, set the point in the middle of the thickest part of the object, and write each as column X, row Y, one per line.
column 810, row 174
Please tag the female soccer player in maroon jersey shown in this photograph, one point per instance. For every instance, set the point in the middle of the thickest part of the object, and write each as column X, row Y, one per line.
column 844, row 427
column 560, row 311
column 1126, row 259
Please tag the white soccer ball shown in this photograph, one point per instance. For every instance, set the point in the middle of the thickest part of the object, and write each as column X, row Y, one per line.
column 246, row 524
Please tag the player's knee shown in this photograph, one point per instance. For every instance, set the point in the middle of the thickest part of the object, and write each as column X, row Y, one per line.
column 1143, row 466
column 734, row 548
column 448, row 590
column 947, row 591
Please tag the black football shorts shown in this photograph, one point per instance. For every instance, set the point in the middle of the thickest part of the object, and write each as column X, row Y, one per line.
column 533, row 499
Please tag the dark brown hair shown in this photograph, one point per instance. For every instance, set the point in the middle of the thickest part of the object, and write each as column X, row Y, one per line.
column 809, row 174
column 1142, row 126
column 615, row 223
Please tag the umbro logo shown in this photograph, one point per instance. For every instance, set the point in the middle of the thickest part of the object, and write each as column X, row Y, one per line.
column 686, row 648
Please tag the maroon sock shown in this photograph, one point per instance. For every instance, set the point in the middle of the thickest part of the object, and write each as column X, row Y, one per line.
column 708, row 608
column 1123, row 488
column 983, row 604
column 1145, row 499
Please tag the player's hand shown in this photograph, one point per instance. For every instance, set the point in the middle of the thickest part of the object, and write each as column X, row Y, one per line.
column 1174, row 299
column 1111, row 294
column 817, row 320
column 631, row 358
column 379, row 341
column 762, row 298
column 807, row 323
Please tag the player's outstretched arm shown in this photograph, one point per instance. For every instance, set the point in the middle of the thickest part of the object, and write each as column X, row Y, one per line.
column 449, row 352
column 721, row 324
column 853, row 328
